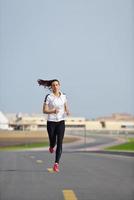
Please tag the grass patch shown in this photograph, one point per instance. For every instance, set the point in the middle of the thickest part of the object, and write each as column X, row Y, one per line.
column 25, row 146
column 128, row 146
column 130, row 139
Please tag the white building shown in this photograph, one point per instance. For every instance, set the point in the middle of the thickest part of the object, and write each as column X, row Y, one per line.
column 4, row 123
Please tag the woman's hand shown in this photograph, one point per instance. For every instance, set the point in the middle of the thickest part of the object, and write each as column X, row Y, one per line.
column 56, row 110
column 68, row 113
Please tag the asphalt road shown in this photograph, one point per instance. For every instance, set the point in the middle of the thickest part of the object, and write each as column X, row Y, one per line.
column 82, row 176
column 93, row 141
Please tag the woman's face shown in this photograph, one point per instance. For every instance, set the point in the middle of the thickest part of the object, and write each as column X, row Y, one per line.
column 55, row 86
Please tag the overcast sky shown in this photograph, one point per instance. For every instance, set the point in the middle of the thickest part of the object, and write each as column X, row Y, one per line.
column 87, row 44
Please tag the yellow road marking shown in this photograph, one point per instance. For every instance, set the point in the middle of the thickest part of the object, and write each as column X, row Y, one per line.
column 50, row 170
column 39, row 161
column 69, row 195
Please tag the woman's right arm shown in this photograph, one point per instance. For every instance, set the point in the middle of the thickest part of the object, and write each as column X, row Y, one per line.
column 47, row 110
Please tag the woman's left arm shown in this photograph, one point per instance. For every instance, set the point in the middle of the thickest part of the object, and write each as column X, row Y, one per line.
column 66, row 109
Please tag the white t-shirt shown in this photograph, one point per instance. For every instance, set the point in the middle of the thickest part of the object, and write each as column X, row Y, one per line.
column 56, row 102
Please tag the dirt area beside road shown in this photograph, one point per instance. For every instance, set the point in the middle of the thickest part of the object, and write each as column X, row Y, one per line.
column 9, row 138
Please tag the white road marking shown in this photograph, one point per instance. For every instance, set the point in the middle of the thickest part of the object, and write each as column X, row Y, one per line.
column 39, row 161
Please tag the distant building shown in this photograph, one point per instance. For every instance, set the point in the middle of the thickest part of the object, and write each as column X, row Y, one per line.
column 39, row 122
column 4, row 122
column 117, row 117
column 117, row 122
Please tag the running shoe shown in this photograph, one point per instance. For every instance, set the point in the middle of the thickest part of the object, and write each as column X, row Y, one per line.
column 51, row 150
column 56, row 167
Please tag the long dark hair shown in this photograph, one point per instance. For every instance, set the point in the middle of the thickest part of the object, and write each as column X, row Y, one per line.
column 47, row 83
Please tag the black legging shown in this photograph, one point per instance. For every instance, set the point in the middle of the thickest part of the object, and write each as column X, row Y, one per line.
column 56, row 134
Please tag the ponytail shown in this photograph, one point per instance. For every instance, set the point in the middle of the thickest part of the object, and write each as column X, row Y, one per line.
column 46, row 83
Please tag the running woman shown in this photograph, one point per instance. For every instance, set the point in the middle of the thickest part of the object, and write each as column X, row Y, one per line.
column 55, row 105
